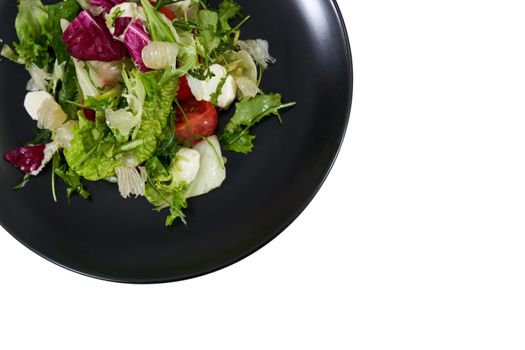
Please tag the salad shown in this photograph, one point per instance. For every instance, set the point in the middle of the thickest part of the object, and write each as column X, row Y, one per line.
column 129, row 92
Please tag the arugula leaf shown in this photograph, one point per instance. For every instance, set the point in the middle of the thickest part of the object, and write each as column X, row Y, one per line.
column 182, row 24
column 162, row 194
column 69, row 91
column 168, row 146
column 23, row 182
column 215, row 95
column 109, row 99
column 66, row 9
column 42, row 136
column 174, row 201
column 236, row 136
column 208, row 36
column 71, row 179
column 188, row 57
column 228, row 9
column 202, row 73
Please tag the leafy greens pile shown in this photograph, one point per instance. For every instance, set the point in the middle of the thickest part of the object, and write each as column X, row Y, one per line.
column 128, row 92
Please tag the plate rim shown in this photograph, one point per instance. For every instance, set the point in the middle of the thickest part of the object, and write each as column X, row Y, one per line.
column 335, row 153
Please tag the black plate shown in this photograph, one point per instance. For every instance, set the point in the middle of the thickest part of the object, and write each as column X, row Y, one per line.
column 124, row 240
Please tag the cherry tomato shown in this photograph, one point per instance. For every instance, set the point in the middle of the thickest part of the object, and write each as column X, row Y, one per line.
column 184, row 93
column 90, row 114
column 199, row 119
column 167, row 12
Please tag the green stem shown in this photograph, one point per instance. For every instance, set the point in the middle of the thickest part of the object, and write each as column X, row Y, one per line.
column 81, row 160
column 53, row 190
column 244, row 20
column 130, row 145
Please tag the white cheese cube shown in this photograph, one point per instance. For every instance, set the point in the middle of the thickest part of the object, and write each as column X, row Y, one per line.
column 204, row 89
column 186, row 166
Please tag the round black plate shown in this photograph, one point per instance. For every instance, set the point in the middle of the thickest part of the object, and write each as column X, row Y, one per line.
column 124, row 240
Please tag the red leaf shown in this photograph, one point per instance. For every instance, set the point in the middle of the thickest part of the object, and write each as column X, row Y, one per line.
column 28, row 158
column 88, row 39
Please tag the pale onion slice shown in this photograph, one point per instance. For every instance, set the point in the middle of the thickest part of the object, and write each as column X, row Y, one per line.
column 241, row 64
column 122, row 120
column 40, row 79
column 259, row 49
column 212, row 171
column 50, row 115
column 43, row 108
column 64, row 134
column 242, row 67
column 131, row 181
column 246, row 88
column 159, row 55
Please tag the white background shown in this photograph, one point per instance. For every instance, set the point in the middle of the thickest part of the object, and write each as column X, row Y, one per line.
column 416, row 241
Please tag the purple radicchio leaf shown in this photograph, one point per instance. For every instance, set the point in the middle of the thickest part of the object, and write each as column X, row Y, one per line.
column 107, row 5
column 121, row 24
column 28, row 158
column 135, row 40
column 88, row 39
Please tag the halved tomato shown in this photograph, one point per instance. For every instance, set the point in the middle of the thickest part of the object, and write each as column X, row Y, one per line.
column 197, row 119
column 168, row 13
column 165, row 10
column 184, row 94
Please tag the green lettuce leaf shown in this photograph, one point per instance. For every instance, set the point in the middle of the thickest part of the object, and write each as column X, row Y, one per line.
column 31, row 28
column 156, row 109
column 236, row 136
column 93, row 150
column 157, row 27
column 11, row 55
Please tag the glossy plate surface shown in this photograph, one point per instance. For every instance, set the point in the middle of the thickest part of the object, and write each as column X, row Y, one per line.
column 124, row 240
